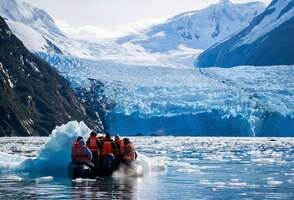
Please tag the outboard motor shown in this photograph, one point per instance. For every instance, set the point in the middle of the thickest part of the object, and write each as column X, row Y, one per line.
column 80, row 170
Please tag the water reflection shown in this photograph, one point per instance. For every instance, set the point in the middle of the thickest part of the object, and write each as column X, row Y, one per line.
column 15, row 187
column 105, row 188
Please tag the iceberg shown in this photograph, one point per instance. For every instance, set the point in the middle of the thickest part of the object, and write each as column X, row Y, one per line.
column 54, row 155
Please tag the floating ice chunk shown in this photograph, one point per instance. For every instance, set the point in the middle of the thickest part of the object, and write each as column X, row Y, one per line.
column 15, row 178
column 56, row 153
column 237, row 184
column 44, row 179
column 187, row 170
column 273, row 182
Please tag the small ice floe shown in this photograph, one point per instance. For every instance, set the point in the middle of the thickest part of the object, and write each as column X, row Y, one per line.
column 44, row 179
column 288, row 174
column 273, row 182
column 290, row 180
column 219, row 184
column 77, row 180
column 214, row 184
column 80, row 180
column 189, row 170
column 15, row 178
column 205, row 182
column 237, row 183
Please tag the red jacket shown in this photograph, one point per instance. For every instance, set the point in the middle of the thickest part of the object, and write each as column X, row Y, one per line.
column 108, row 147
column 93, row 144
column 80, row 153
column 120, row 146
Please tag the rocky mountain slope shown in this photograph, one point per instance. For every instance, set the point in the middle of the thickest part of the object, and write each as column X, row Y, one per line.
column 33, row 97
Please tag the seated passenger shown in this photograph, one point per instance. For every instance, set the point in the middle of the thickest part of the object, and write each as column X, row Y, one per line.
column 94, row 145
column 80, row 152
column 129, row 152
column 108, row 151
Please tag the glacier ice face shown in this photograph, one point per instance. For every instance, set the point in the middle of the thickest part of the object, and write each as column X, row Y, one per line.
column 245, row 100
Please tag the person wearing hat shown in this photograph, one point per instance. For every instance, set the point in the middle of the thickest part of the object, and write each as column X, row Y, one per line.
column 94, row 145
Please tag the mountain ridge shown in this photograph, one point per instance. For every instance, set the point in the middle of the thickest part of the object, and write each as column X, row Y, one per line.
column 34, row 98
column 197, row 29
column 266, row 41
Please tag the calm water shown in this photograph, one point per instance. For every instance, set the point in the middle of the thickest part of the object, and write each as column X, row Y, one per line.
column 175, row 168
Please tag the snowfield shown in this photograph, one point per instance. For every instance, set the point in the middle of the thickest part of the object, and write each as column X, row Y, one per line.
column 245, row 100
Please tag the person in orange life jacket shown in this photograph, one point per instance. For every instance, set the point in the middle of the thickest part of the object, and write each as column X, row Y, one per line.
column 108, row 151
column 108, row 146
column 80, row 152
column 129, row 153
column 119, row 145
column 94, row 145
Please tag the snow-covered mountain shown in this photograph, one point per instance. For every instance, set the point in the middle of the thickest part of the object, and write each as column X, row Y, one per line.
column 24, row 13
column 268, row 40
column 37, row 30
column 174, row 43
column 32, row 25
column 197, row 29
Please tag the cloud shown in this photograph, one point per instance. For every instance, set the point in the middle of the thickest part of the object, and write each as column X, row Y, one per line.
column 94, row 33
column 87, row 32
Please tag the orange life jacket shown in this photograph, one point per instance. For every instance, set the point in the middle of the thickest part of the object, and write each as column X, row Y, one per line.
column 78, row 153
column 92, row 145
column 120, row 146
column 129, row 153
column 107, row 148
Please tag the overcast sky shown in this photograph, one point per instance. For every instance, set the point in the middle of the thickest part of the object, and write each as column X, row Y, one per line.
column 116, row 16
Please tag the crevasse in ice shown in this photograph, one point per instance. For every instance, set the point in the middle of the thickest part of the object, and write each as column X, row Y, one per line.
column 245, row 100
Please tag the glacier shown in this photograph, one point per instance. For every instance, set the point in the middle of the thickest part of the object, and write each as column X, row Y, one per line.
column 241, row 101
